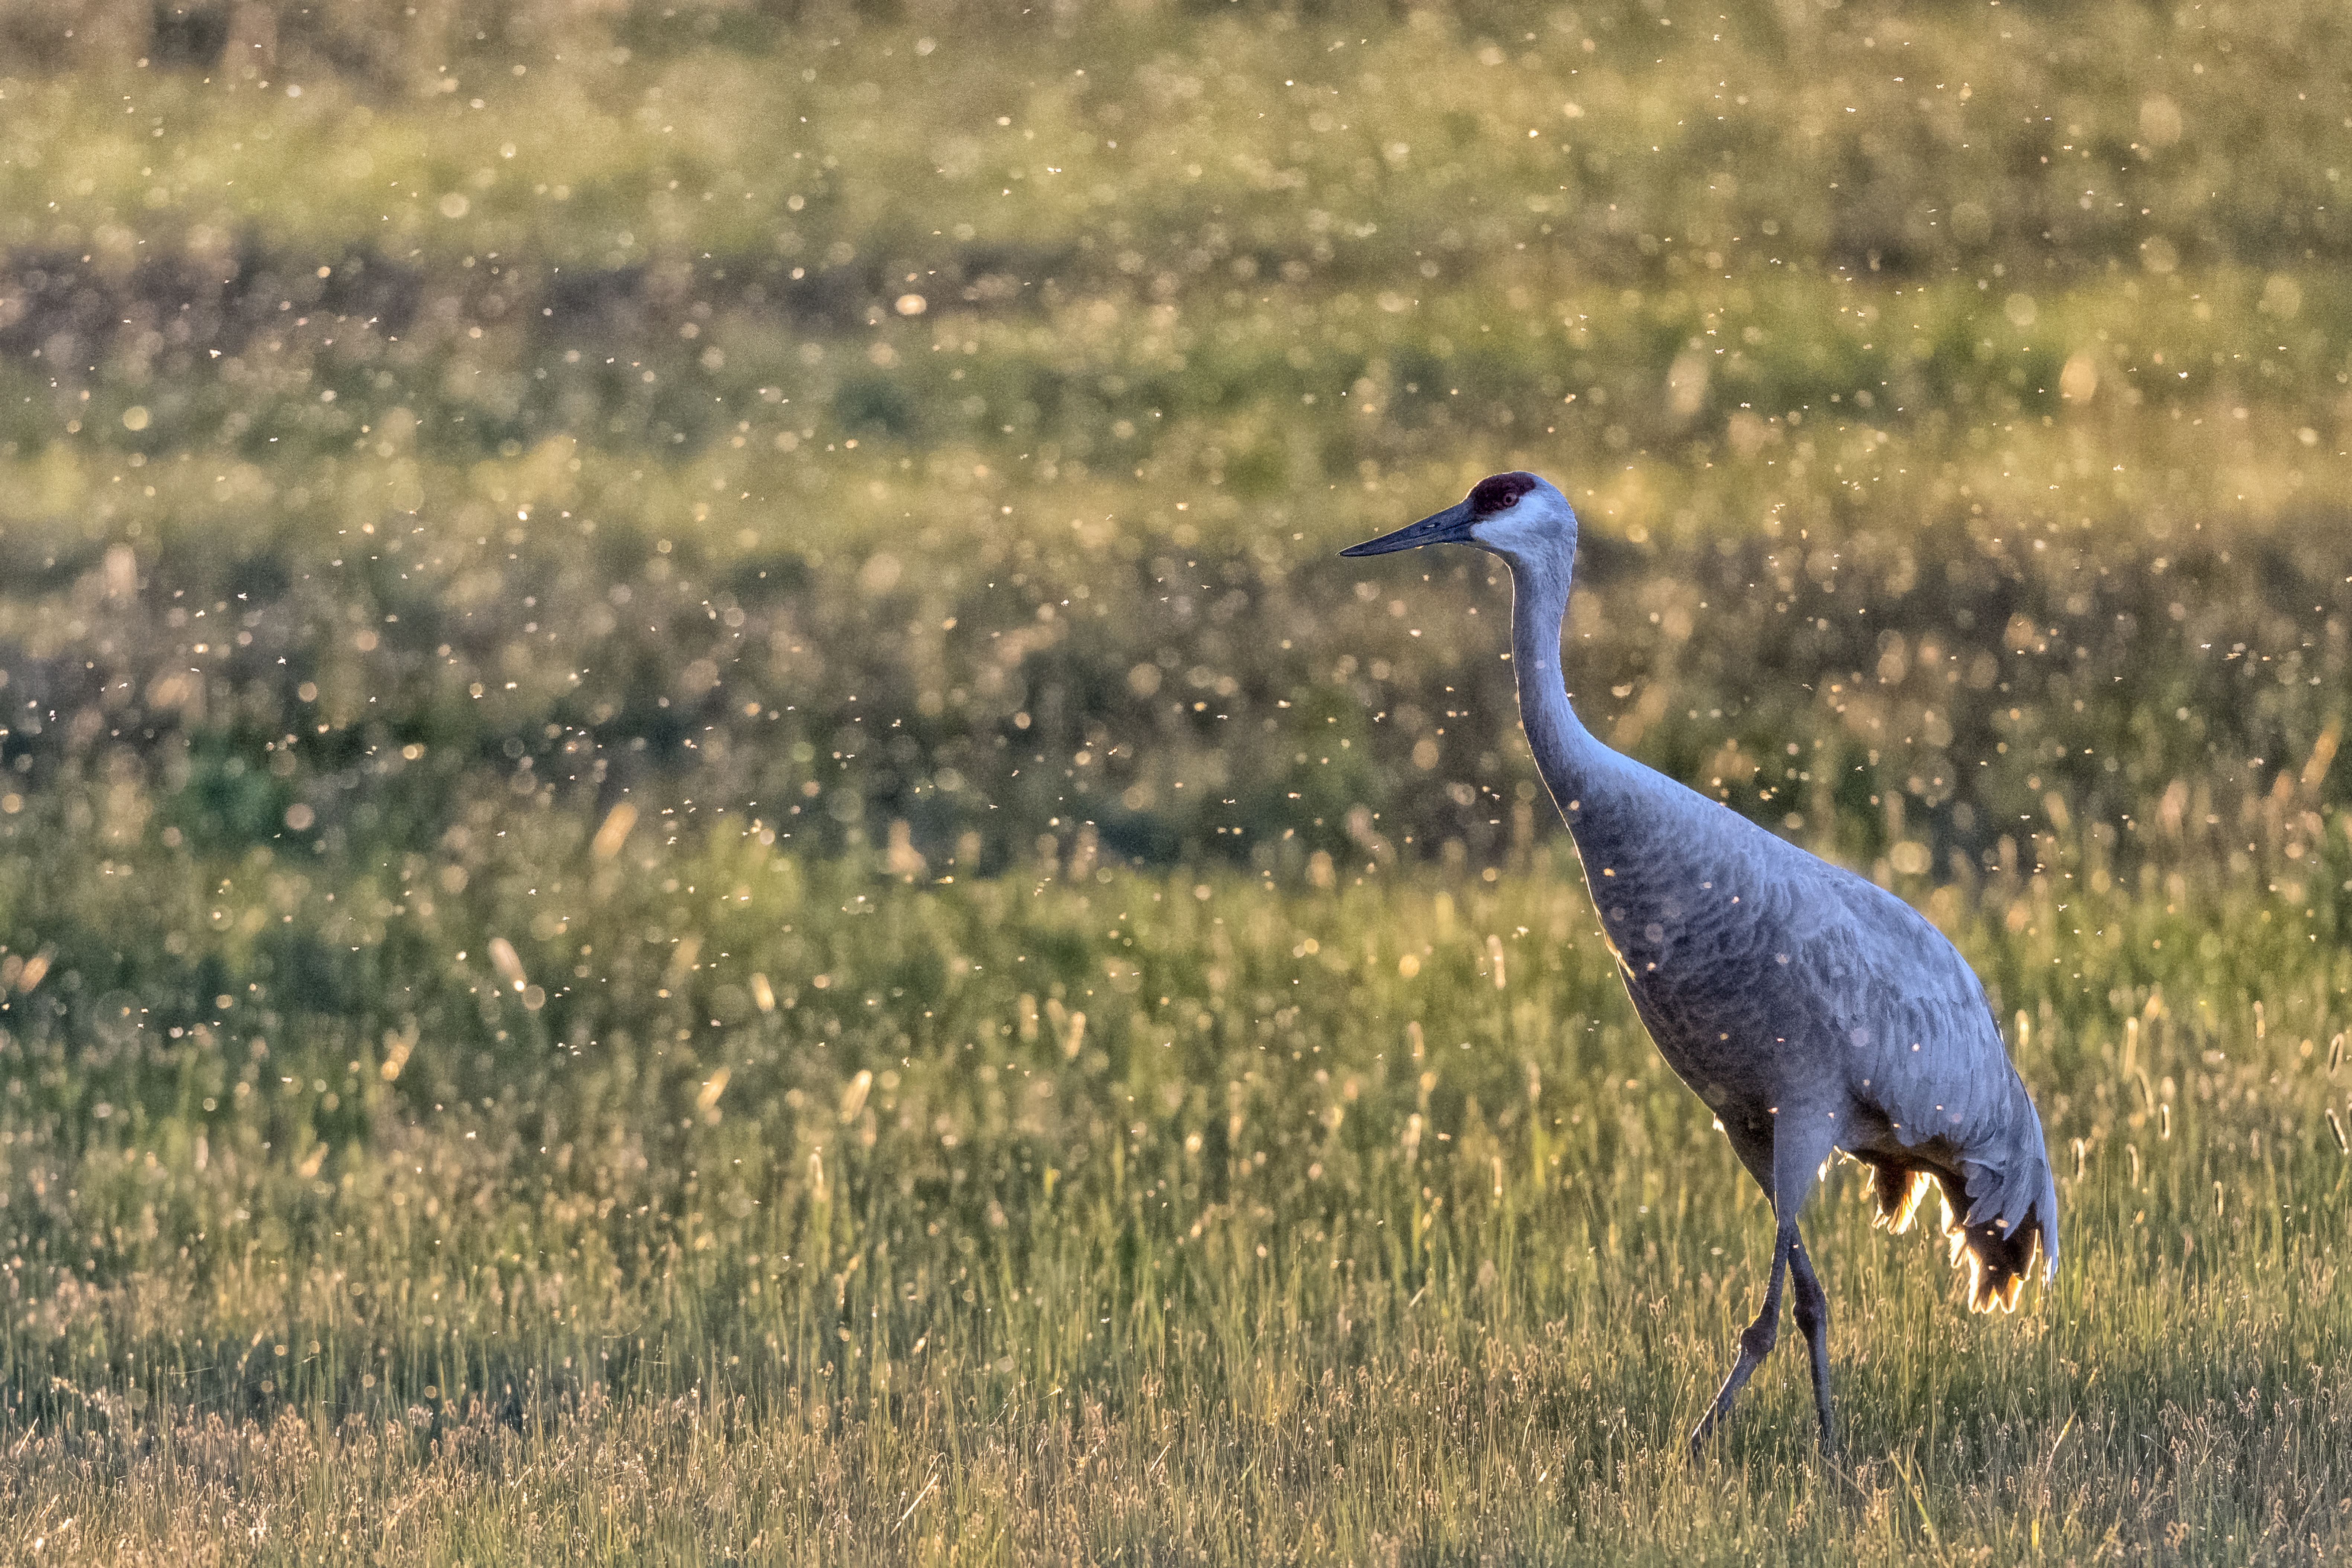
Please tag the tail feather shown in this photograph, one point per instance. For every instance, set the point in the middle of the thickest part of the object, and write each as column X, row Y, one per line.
column 1898, row 1192
column 1997, row 1224
column 1994, row 1221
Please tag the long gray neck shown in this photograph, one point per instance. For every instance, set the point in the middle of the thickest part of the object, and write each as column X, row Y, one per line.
column 1575, row 765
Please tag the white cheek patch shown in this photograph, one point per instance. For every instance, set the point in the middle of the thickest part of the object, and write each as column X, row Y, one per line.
column 1512, row 530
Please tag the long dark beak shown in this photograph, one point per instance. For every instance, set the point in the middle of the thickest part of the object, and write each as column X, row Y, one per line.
column 1451, row 526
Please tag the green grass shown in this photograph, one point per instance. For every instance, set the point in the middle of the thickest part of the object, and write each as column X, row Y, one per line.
column 1200, row 298
column 1328, row 1233
column 614, row 618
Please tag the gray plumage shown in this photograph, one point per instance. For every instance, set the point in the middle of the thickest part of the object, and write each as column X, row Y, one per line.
column 1811, row 1010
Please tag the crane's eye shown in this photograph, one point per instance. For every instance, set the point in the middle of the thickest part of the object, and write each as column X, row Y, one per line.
column 1510, row 500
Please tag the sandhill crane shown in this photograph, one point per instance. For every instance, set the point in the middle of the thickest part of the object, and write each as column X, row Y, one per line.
column 1811, row 1010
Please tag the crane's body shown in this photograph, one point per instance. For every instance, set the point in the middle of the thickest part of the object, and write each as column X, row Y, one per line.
column 1811, row 1010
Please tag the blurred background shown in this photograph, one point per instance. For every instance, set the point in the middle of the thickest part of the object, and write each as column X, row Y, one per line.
column 697, row 839
column 931, row 426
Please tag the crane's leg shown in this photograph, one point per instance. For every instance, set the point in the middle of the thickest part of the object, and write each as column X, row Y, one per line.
column 1797, row 1149
column 1814, row 1321
column 1755, row 1341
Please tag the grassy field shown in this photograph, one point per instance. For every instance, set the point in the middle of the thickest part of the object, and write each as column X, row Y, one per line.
column 739, row 1207
column 700, row 858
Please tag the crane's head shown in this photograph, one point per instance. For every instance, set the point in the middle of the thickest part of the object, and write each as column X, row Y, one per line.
column 1515, row 516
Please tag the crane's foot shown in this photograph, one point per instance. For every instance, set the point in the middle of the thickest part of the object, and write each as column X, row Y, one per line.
column 1720, row 1410
column 1755, row 1345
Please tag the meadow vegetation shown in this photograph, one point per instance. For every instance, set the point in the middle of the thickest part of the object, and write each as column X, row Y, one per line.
column 703, row 859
